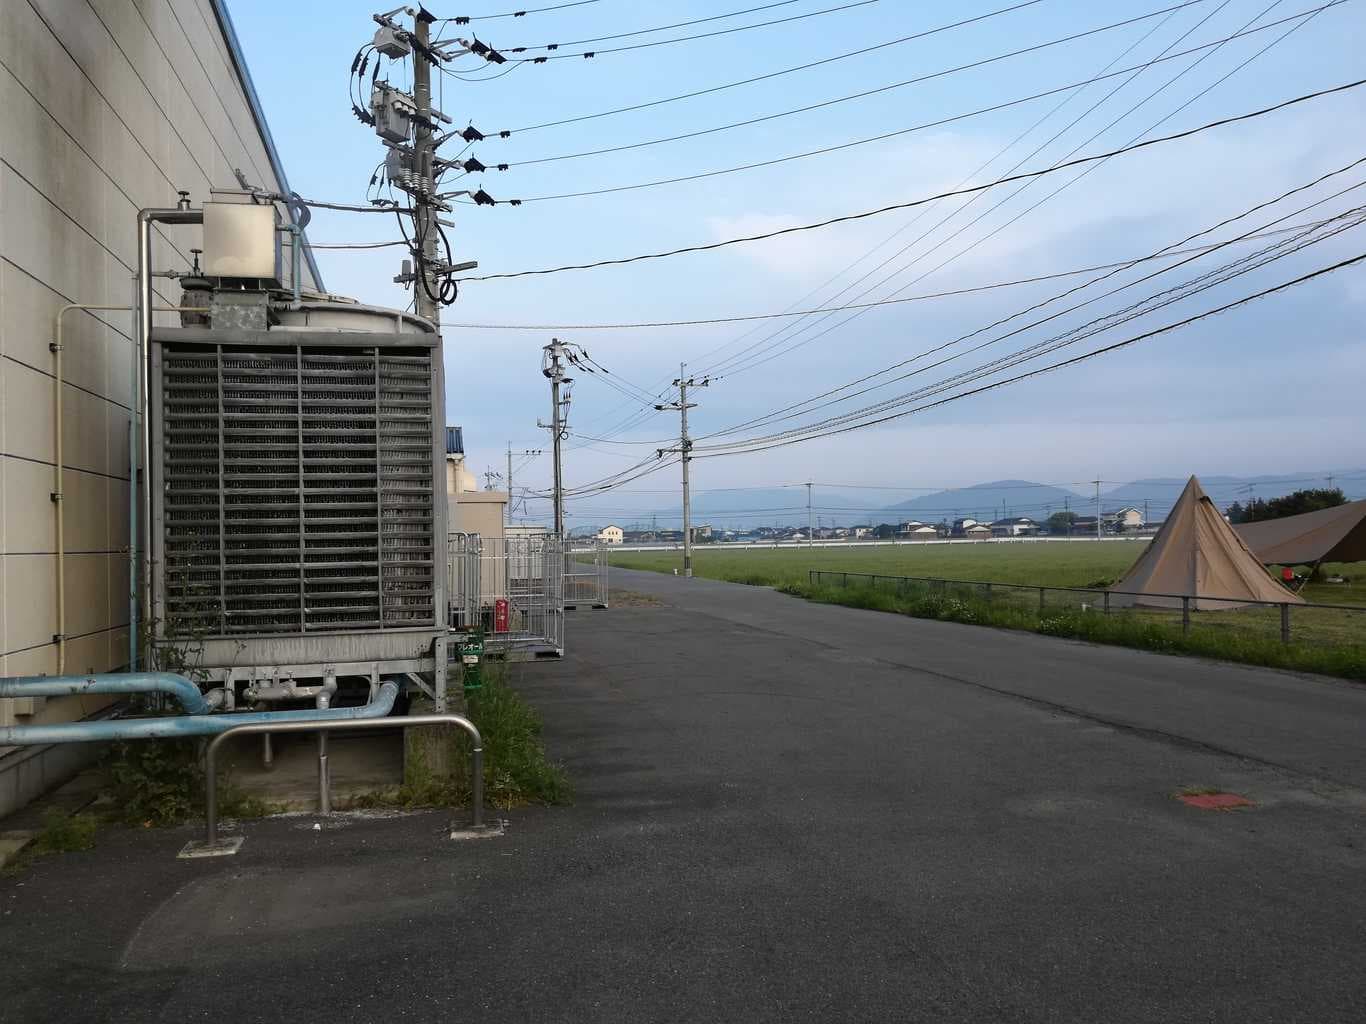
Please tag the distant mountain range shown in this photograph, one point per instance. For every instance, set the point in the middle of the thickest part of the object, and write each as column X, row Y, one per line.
column 741, row 509
column 989, row 501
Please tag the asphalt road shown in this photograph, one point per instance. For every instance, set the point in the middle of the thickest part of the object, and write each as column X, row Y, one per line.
column 786, row 812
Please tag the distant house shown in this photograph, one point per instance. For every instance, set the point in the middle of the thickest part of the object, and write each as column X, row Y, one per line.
column 611, row 535
column 916, row 530
column 1084, row 525
column 970, row 528
column 859, row 532
column 1129, row 518
column 1014, row 526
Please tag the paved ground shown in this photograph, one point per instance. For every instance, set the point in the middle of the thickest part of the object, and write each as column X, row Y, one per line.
column 786, row 812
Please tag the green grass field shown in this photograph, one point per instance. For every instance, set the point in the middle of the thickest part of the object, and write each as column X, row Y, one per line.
column 1040, row 564
column 1327, row 640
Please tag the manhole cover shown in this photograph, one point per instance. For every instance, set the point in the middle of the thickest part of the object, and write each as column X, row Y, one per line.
column 1215, row 801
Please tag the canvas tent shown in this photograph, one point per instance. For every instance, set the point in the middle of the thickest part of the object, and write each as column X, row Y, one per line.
column 1197, row 554
column 1328, row 535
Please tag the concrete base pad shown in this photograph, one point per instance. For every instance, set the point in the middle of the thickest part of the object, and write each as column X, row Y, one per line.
column 225, row 846
column 488, row 830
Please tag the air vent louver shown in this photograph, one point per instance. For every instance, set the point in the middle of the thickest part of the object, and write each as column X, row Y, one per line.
column 298, row 489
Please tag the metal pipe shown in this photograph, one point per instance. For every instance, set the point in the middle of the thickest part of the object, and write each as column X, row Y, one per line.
column 329, row 687
column 140, row 561
column 186, row 725
column 211, row 756
column 59, row 465
column 183, row 690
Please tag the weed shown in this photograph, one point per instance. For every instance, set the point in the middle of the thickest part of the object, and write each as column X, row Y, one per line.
column 63, row 833
column 154, row 785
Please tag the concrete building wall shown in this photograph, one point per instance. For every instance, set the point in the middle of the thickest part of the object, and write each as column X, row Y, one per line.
column 108, row 106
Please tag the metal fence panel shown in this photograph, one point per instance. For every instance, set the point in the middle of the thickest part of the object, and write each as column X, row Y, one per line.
column 585, row 577
column 1326, row 624
column 512, row 588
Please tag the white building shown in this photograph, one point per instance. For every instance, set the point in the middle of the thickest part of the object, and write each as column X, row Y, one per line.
column 611, row 535
column 108, row 108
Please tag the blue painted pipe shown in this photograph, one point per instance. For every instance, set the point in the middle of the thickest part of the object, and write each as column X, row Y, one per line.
column 182, row 689
column 186, row 725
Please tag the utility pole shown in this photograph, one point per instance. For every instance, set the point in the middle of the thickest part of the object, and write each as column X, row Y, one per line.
column 490, row 477
column 553, row 368
column 525, row 452
column 424, row 212
column 810, row 537
column 685, row 449
column 1097, row 483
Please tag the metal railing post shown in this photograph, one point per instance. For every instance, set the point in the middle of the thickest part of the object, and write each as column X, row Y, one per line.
column 1185, row 616
column 1107, row 602
column 211, row 844
column 1285, row 622
column 1041, row 600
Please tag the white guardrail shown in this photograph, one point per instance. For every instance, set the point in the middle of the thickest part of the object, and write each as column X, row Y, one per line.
column 779, row 545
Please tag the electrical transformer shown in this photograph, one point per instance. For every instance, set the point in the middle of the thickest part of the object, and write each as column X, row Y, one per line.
column 298, row 510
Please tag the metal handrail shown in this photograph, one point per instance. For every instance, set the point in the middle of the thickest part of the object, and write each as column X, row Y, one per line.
column 814, row 573
column 211, row 756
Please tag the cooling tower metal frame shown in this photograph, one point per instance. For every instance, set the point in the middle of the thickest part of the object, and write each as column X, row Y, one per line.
column 298, row 512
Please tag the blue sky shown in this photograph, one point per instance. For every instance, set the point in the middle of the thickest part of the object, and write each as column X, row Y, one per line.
column 1270, row 388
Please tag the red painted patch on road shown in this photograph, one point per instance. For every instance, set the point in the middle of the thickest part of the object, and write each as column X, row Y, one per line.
column 1216, row 801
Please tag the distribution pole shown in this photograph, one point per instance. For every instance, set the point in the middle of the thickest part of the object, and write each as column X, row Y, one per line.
column 424, row 211
column 1097, row 483
column 553, row 368
column 809, row 535
column 685, row 449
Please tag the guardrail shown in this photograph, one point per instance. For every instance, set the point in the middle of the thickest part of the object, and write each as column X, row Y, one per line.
column 1259, row 616
column 212, row 846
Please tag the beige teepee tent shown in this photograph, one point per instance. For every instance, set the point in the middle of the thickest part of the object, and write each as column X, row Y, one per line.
column 1197, row 554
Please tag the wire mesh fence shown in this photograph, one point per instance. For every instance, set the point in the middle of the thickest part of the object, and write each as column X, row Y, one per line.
column 585, row 577
column 511, row 588
column 1235, row 621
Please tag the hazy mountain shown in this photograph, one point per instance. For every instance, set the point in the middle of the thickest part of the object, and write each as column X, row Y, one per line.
column 1160, row 493
column 990, row 501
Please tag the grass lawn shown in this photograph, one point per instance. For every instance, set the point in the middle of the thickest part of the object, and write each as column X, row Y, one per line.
column 1328, row 641
column 1040, row 564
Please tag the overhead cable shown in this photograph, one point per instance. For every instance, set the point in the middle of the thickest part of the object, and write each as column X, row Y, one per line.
column 909, row 204
column 920, row 79
column 949, row 293
column 775, row 351
column 463, row 19
column 787, row 71
column 688, row 39
column 1145, row 336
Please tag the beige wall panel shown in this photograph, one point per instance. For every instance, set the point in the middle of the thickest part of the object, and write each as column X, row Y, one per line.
column 30, row 587
column 29, row 327
column 87, row 594
column 40, row 238
column 39, row 61
column 29, row 422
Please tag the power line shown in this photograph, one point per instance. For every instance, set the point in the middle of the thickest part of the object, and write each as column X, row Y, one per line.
column 775, row 351
column 463, row 18
column 686, row 39
column 1049, row 301
column 918, row 216
column 657, row 28
column 742, row 318
column 1302, row 279
column 1185, row 290
column 918, row 80
column 824, row 150
column 845, row 218
column 787, row 71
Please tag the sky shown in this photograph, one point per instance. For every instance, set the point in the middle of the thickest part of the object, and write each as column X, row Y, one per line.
column 1267, row 388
